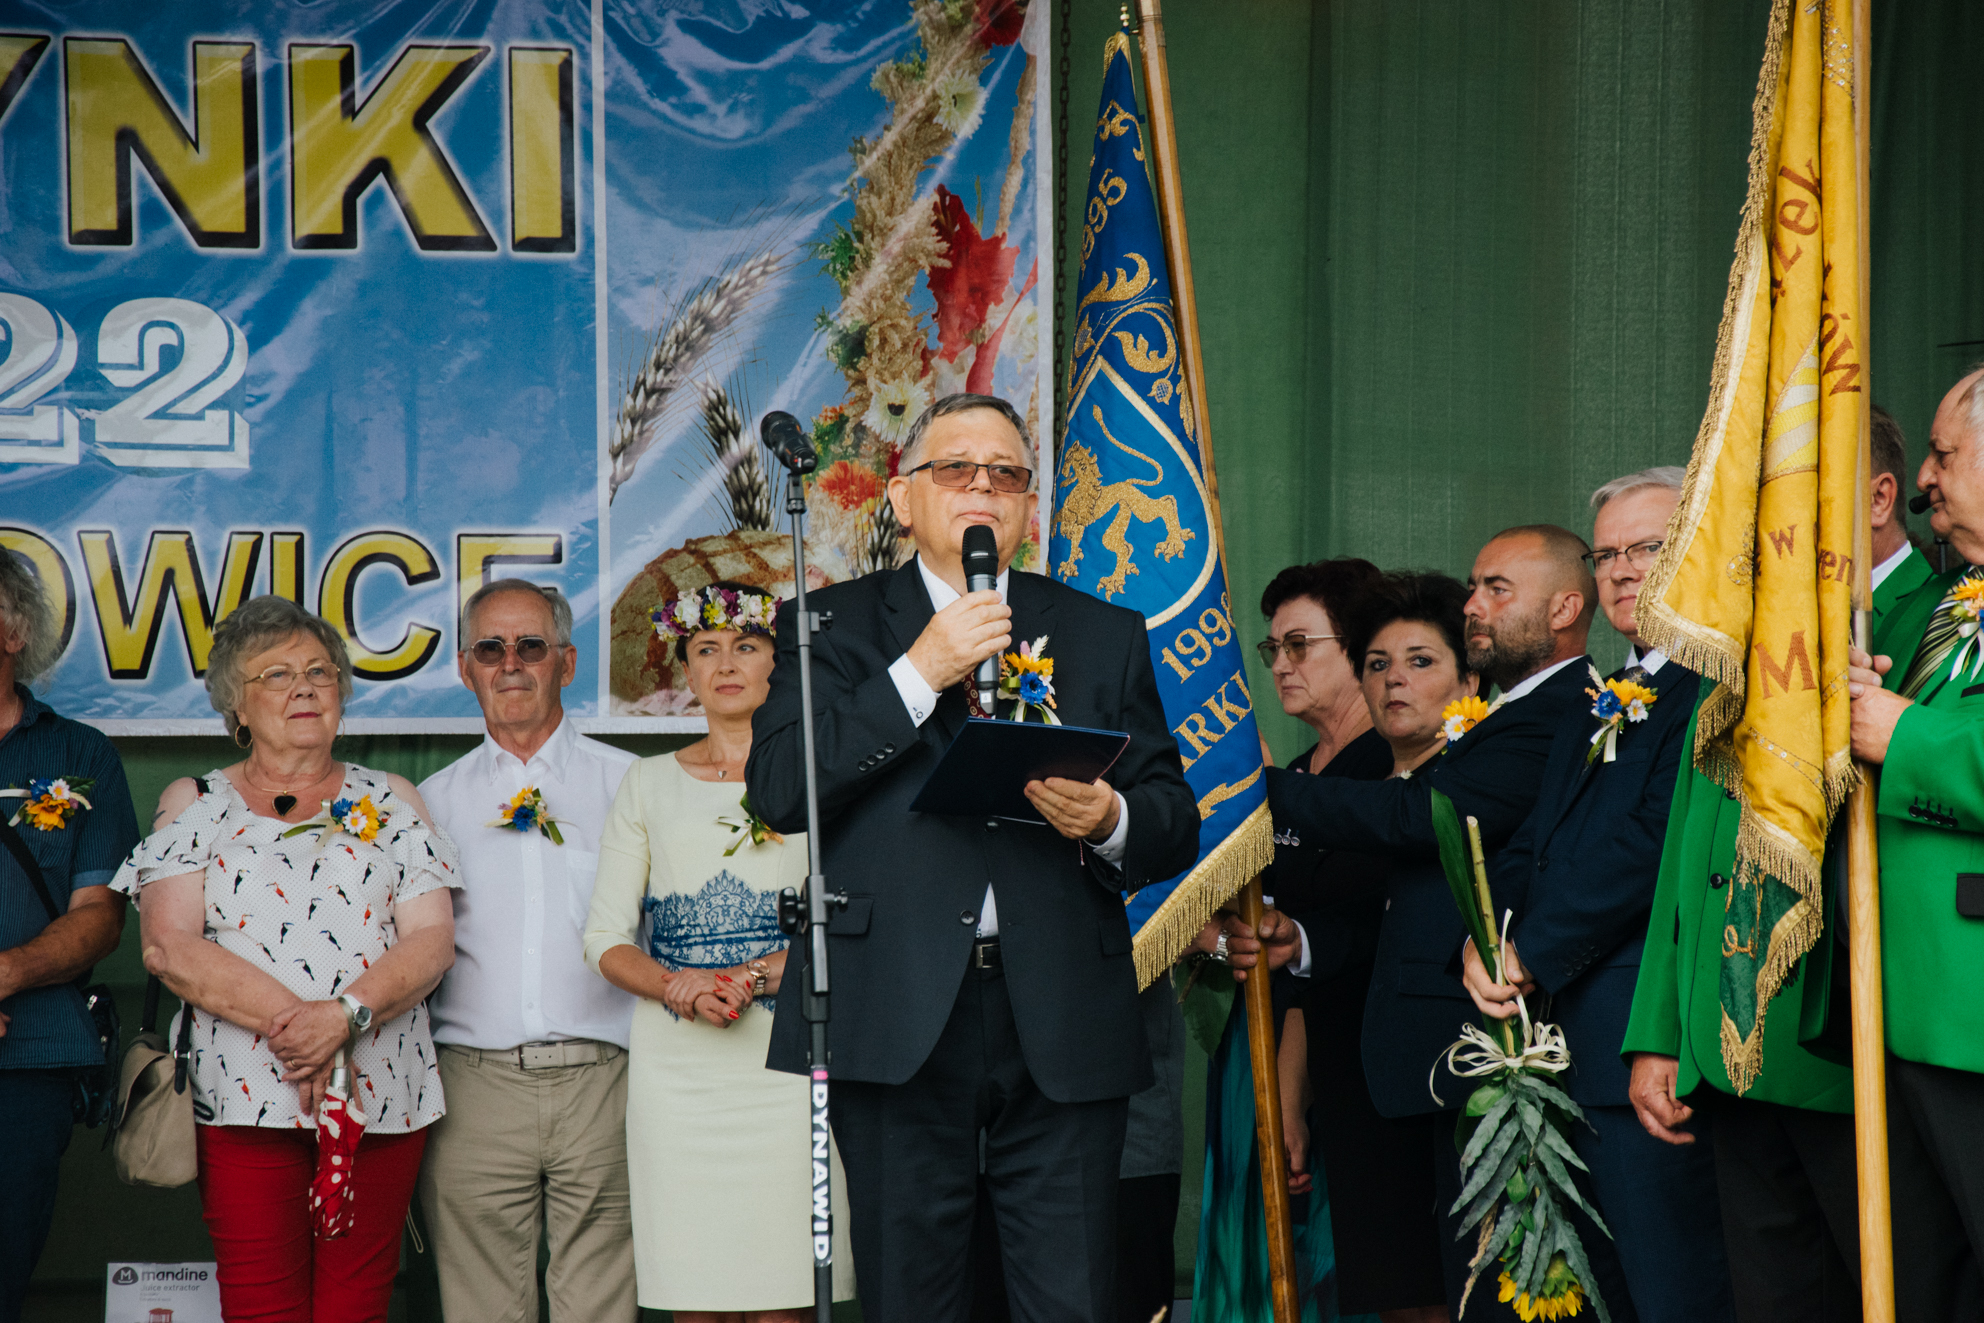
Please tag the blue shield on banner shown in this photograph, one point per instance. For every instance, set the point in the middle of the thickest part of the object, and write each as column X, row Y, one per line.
column 1134, row 523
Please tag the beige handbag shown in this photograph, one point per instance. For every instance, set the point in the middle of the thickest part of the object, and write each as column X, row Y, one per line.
column 153, row 1126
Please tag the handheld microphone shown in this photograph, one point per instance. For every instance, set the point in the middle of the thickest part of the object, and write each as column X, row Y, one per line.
column 1920, row 504
column 788, row 442
column 981, row 574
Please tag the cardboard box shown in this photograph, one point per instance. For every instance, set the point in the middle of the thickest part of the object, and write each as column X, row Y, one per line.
column 162, row 1293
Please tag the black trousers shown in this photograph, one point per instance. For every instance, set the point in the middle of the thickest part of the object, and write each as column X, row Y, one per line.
column 911, row 1152
column 1936, row 1165
column 1790, row 1218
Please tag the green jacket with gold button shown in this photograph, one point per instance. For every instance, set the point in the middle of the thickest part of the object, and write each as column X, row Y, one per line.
column 1931, row 808
column 1677, row 1007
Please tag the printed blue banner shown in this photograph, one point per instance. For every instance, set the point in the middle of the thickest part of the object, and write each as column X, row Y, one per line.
column 1134, row 522
column 366, row 304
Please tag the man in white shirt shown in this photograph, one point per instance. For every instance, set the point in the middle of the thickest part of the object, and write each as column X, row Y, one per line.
column 532, row 1046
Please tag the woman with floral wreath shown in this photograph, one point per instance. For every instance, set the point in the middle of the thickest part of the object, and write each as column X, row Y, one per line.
column 705, row 1119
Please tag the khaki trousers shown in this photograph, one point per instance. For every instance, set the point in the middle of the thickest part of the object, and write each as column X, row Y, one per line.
column 522, row 1152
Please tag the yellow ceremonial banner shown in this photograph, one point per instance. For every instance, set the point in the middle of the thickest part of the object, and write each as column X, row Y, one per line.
column 1754, row 586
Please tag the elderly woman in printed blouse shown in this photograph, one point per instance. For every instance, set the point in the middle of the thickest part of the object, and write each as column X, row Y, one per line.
column 705, row 1118
column 299, row 907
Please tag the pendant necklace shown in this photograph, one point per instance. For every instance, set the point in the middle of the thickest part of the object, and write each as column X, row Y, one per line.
column 285, row 801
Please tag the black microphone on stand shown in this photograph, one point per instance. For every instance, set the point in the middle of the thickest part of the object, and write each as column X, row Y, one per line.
column 981, row 574
column 787, row 440
column 1920, row 504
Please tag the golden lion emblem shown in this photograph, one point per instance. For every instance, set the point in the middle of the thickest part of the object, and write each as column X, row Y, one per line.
column 1090, row 499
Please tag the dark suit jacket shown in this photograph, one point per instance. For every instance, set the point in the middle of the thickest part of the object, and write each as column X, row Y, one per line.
column 1416, row 1004
column 1580, row 876
column 916, row 880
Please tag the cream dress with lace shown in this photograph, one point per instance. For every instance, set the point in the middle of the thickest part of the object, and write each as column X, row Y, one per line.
column 717, row 1145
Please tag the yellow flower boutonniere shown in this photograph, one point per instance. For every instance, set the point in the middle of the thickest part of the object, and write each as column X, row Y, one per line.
column 525, row 811
column 360, row 818
column 1614, row 703
column 50, row 800
column 1027, row 678
column 1461, row 716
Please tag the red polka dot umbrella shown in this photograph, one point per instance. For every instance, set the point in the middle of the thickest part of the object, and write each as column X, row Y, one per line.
column 340, row 1123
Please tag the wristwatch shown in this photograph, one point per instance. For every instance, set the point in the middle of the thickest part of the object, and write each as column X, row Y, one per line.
column 760, row 974
column 357, row 1015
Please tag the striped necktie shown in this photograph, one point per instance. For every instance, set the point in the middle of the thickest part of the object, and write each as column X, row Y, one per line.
column 1938, row 641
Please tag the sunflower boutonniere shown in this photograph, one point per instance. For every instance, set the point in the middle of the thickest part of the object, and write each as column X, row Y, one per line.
column 1027, row 678
column 50, row 801
column 1461, row 716
column 526, row 810
column 354, row 817
column 1614, row 703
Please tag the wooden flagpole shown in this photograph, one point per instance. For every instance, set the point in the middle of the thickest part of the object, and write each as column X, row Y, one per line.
column 1863, row 906
column 1163, row 140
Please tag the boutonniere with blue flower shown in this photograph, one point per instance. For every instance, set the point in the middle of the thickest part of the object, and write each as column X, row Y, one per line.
column 51, row 801
column 756, row 830
column 526, row 811
column 1027, row 678
column 354, row 817
column 1614, row 703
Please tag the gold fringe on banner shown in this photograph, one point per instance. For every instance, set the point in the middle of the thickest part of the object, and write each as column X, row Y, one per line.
column 1233, row 863
column 1715, row 600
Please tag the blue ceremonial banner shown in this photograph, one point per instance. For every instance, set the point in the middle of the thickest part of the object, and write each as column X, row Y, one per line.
column 1134, row 523
column 366, row 304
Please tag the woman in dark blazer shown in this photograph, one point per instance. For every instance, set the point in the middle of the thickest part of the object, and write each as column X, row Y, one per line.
column 1403, row 661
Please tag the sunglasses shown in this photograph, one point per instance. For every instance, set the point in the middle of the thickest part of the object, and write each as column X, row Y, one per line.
column 1295, row 645
column 530, row 650
column 1008, row 478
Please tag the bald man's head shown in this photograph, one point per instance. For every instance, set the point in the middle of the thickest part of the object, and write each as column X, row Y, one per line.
column 1532, row 603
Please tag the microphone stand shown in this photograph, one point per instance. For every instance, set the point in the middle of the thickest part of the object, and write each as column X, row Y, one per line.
column 808, row 913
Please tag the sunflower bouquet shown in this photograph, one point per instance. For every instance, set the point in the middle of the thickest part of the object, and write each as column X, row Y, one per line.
column 1515, row 1161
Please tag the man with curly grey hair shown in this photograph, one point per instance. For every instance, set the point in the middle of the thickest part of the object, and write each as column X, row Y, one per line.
column 66, row 822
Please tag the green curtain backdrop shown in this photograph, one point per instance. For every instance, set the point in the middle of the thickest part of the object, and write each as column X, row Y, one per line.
column 1458, row 263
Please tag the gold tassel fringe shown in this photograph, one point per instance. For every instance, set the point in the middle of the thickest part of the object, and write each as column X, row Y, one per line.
column 1233, row 863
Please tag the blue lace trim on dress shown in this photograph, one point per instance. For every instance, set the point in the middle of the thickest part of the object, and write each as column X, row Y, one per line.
column 724, row 925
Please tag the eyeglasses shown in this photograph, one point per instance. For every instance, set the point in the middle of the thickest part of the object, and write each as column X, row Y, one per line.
column 1008, row 478
column 1295, row 645
column 279, row 678
column 1640, row 555
column 530, row 650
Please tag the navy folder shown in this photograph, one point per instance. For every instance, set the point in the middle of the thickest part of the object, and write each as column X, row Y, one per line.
column 985, row 771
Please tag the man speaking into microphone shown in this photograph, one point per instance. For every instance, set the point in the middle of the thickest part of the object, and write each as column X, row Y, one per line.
column 982, row 981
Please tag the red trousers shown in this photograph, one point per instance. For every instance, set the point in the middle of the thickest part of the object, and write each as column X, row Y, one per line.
column 255, row 1196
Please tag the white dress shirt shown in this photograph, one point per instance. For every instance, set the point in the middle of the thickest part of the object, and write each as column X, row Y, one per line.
column 1650, row 662
column 520, row 973
column 920, row 701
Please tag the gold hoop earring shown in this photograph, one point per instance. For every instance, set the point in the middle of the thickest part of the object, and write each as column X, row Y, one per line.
column 239, row 731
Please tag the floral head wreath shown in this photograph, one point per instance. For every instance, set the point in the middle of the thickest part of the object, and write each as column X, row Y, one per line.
column 711, row 607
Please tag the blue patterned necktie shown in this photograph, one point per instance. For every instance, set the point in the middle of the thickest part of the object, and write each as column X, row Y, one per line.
column 1939, row 640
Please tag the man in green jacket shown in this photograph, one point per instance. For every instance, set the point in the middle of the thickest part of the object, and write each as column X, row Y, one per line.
column 1783, row 1151
column 1924, row 727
